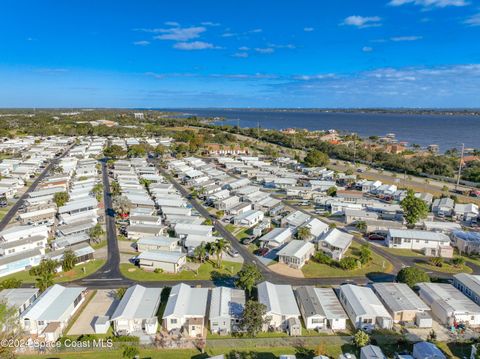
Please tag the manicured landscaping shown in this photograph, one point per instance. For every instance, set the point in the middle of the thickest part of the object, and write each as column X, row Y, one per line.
column 377, row 264
column 76, row 273
column 402, row 252
column 207, row 271
column 445, row 268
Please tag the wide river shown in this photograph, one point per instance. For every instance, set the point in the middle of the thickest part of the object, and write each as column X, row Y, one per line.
column 447, row 131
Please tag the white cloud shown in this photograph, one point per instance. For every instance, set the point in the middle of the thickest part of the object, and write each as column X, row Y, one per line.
column 255, row 31
column 280, row 46
column 194, row 45
column 473, row 20
column 180, row 33
column 308, row 29
column 141, row 43
column 229, row 34
column 406, row 38
column 244, row 48
column 172, row 23
column 430, row 3
column 210, row 23
column 367, row 49
column 241, row 54
column 265, row 50
column 362, row 21
column 314, row 77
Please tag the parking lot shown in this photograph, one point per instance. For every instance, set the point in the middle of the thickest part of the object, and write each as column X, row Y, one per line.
column 103, row 303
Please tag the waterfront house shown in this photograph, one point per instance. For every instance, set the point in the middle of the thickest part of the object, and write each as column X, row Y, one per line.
column 364, row 309
column 137, row 311
column 186, row 310
column 320, row 308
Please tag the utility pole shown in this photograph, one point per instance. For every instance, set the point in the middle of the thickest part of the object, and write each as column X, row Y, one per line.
column 460, row 167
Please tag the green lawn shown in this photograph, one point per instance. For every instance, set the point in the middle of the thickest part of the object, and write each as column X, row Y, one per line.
column 74, row 274
column 402, row 252
column 317, row 270
column 445, row 268
column 206, row 271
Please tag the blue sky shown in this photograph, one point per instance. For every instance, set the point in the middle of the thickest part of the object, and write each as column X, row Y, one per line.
column 279, row 53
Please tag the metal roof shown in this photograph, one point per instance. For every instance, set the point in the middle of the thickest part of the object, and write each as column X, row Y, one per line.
column 320, row 301
column 467, row 236
column 53, row 303
column 138, row 302
column 337, row 238
column 470, row 281
column 185, row 301
column 363, row 301
column 448, row 298
column 226, row 302
column 16, row 297
column 296, row 248
column 372, row 352
column 11, row 258
column 421, row 235
column 278, row 298
column 161, row 256
column 399, row 296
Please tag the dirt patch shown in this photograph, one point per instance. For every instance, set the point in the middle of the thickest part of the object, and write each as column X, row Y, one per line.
column 283, row 269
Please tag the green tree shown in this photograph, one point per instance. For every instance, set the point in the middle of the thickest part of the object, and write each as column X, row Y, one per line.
column 365, row 254
column 137, row 151
column 97, row 191
column 115, row 189
column 95, row 233
column 252, row 317
column 304, row 233
column 44, row 280
column 458, row 262
column 414, row 208
column 120, row 292
column 10, row 283
column 411, row 276
column 122, row 206
column 332, row 191
column 220, row 246
column 160, row 150
column 130, row 351
column 11, row 330
column 322, row 258
column 60, row 198
column 114, row 151
column 201, row 252
column 348, row 263
column 248, row 277
column 69, row 260
column 436, row 261
column 361, row 226
column 361, row 339
column 315, row 158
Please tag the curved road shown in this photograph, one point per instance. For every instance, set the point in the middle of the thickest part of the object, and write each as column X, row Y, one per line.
column 109, row 276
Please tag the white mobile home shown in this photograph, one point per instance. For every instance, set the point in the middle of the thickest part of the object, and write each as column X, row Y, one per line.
column 226, row 308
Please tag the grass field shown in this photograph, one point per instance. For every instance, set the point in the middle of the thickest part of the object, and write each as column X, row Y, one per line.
column 76, row 273
column 317, row 270
column 207, row 271
column 402, row 252
column 445, row 268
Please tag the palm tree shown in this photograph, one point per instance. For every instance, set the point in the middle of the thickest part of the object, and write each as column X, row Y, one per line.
column 122, row 206
column 69, row 260
column 44, row 281
column 201, row 252
column 95, row 233
column 220, row 245
column 304, row 233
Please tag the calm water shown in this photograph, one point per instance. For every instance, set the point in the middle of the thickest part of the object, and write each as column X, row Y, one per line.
column 445, row 131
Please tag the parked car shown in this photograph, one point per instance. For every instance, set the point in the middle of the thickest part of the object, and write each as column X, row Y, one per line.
column 248, row 240
column 233, row 252
column 261, row 251
column 376, row 237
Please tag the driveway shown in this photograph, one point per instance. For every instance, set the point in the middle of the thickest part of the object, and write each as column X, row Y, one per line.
column 103, row 303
